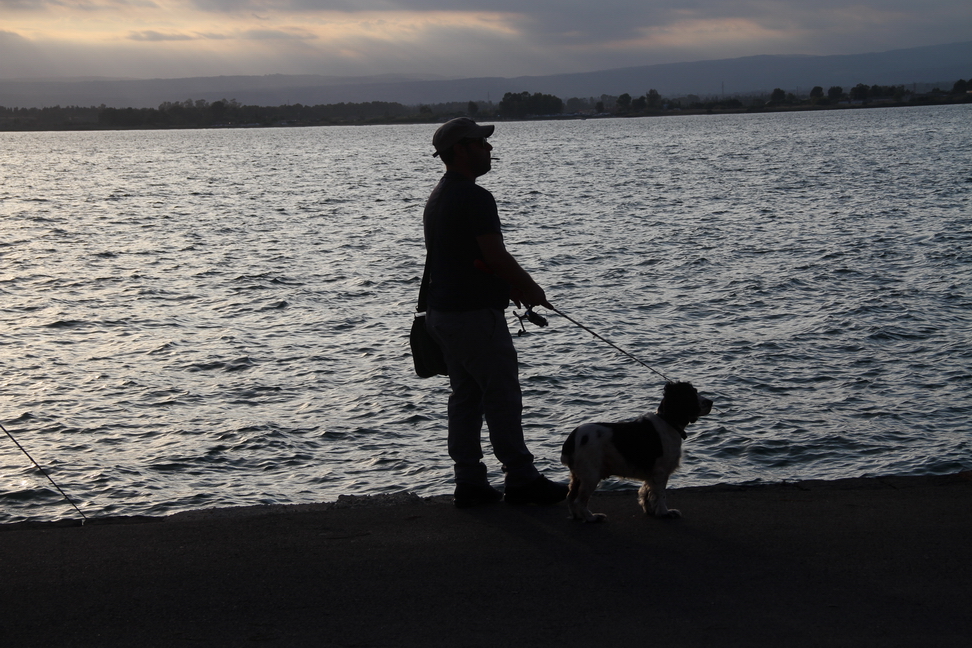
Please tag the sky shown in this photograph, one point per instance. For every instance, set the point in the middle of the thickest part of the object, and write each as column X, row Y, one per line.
column 449, row 38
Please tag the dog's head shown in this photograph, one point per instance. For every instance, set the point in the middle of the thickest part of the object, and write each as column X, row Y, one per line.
column 682, row 405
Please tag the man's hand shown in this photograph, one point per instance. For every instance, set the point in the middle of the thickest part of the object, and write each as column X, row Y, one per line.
column 530, row 299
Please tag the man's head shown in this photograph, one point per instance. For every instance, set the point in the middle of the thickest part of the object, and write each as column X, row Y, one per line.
column 455, row 130
column 461, row 144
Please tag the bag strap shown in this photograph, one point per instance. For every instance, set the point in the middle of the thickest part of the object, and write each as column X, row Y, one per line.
column 424, row 290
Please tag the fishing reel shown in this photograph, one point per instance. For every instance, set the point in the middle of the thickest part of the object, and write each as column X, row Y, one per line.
column 535, row 318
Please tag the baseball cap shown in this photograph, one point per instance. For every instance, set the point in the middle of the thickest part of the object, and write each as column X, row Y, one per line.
column 449, row 133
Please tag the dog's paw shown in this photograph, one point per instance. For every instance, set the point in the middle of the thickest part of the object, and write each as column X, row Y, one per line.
column 596, row 517
column 667, row 514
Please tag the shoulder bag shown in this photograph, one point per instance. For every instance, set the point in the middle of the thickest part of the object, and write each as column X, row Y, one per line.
column 426, row 353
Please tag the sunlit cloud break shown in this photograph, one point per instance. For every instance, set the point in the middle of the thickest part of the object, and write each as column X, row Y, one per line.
column 150, row 35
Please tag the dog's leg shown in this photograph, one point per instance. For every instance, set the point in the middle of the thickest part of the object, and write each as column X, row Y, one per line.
column 645, row 499
column 572, row 492
column 585, row 511
column 579, row 495
column 651, row 496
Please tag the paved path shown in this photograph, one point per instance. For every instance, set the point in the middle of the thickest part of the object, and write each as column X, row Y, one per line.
column 867, row 562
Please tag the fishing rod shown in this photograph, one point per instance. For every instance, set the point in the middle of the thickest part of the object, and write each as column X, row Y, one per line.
column 84, row 518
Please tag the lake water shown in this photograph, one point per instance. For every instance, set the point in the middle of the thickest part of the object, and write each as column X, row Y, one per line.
column 210, row 318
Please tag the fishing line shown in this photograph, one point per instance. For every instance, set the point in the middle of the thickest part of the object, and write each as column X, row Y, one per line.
column 612, row 344
column 84, row 518
column 608, row 342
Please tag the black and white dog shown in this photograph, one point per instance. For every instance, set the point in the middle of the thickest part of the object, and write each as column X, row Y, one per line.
column 648, row 448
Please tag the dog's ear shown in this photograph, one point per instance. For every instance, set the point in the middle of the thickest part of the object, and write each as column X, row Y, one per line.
column 675, row 389
column 669, row 389
column 680, row 397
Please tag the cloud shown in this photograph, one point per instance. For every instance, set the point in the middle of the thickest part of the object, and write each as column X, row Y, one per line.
column 451, row 37
column 627, row 32
column 75, row 5
column 249, row 34
column 11, row 37
column 154, row 36
column 277, row 34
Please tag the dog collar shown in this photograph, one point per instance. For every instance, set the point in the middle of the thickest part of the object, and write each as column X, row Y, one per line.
column 681, row 431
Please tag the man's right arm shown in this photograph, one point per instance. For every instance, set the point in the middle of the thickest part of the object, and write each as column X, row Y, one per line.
column 523, row 289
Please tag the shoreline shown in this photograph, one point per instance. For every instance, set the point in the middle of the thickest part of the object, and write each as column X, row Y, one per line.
column 408, row 497
column 11, row 126
column 880, row 561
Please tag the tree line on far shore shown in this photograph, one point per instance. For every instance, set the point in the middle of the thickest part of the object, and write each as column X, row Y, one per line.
column 200, row 113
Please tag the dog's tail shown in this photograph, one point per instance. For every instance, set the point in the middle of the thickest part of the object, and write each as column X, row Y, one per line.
column 567, row 451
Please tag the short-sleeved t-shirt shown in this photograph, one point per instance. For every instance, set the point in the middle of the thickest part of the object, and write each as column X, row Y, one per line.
column 456, row 213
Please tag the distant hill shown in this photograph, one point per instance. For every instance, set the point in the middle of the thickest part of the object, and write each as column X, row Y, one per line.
column 938, row 64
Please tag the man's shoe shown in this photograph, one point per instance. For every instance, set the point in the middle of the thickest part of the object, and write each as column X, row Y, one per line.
column 540, row 491
column 469, row 495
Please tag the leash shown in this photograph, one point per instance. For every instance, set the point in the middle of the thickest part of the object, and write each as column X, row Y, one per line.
column 84, row 518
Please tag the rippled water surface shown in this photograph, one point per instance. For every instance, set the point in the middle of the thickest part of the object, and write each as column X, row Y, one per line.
column 214, row 318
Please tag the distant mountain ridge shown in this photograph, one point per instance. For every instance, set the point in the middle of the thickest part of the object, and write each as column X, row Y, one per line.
column 943, row 64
